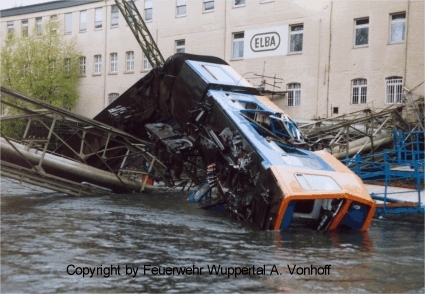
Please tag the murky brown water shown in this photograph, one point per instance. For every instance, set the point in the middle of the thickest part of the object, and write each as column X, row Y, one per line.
column 44, row 234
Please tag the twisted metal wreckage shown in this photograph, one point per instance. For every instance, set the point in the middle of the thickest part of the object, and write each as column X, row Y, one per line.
column 192, row 121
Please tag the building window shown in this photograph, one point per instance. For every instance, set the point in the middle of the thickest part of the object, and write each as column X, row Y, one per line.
column 83, row 21
column 398, row 27
column 148, row 10
column 52, row 65
column 39, row 25
column 112, row 97
column 394, row 90
column 294, row 94
column 239, row 3
column 83, row 65
column 296, row 42
column 146, row 64
column 181, row 8
column 68, row 23
column 114, row 62
column 133, row 12
column 114, row 16
column 53, row 19
column 208, row 5
column 67, row 64
column 180, row 46
column 129, row 61
column 10, row 27
column 359, row 91
column 25, row 28
column 238, row 42
column 361, row 35
column 98, row 18
column 98, row 64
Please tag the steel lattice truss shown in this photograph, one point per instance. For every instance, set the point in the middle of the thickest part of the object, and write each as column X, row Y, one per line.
column 48, row 146
column 141, row 32
column 361, row 131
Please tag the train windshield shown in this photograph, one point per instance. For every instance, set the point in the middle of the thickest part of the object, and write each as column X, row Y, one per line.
column 282, row 125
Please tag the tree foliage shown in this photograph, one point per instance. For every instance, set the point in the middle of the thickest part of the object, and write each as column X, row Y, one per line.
column 43, row 65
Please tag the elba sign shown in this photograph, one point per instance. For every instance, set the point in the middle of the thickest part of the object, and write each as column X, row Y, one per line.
column 266, row 42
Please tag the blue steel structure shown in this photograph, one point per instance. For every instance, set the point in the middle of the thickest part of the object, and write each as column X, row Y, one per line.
column 405, row 161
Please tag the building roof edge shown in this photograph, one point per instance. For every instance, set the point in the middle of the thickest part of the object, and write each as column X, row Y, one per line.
column 21, row 10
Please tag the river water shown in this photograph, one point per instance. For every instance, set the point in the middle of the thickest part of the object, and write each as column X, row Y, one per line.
column 49, row 240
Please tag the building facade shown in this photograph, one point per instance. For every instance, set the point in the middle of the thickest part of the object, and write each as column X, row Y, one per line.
column 325, row 57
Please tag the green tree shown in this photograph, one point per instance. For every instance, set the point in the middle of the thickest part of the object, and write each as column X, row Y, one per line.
column 43, row 65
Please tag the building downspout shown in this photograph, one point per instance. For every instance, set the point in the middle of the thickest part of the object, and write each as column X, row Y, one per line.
column 105, row 101
column 225, row 29
column 329, row 59
column 405, row 43
column 318, row 70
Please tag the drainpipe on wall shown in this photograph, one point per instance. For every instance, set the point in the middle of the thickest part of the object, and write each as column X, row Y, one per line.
column 329, row 59
column 105, row 99
column 318, row 69
column 225, row 29
column 405, row 43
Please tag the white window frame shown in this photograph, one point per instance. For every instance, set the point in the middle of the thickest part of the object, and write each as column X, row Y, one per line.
column 129, row 61
column 98, row 64
column 358, row 26
column 393, row 90
column 396, row 22
column 180, row 46
column 293, row 94
column 82, row 65
column 180, row 8
column 53, row 18
column 359, row 91
column 146, row 64
column 83, row 21
column 67, row 65
column 98, row 18
column 112, row 97
column 39, row 24
column 239, row 3
column 294, row 34
column 115, row 12
column 68, row 23
column 24, row 28
column 238, row 40
column 113, row 65
column 148, row 10
column 10, row 26
column 207, row 5
column 133, row 11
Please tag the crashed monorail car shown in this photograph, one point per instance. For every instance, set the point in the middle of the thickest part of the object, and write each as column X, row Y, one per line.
column 263, row 168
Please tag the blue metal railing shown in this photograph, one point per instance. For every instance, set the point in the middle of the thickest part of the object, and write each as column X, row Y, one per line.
column 405, row 161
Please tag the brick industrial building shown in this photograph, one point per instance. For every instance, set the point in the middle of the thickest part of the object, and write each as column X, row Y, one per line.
column 329, row 57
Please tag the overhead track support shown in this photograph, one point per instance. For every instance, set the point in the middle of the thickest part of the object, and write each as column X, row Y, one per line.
column 141, row 32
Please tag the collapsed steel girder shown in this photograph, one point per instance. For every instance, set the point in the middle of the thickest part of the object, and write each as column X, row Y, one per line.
column 360, row 131
column 65, row 152
column 140, row 31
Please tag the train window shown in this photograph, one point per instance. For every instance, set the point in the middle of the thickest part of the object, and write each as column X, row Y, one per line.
column 284, row 126
column 247, row 105
column 317, row 183
column 219, row 74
